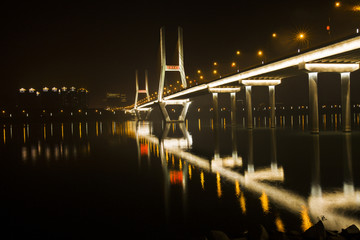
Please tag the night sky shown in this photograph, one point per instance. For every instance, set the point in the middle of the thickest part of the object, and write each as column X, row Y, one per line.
column 98, row 44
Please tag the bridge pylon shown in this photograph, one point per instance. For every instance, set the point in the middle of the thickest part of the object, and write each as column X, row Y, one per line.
column 137, row 109
column 172, row 68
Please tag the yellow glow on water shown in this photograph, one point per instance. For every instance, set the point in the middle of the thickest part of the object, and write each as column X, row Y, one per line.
column 202, row 180
column 4, row 133
column 80, row 129
column 335, row 121
column 180, row 164
column 264, row 202
column 62, row 131
column 237, row 189
column 279, row 224
column 190, row 171
column 199, row 121
column 218, row 185
column 242, row 203
column 97, row 128
column 305, row 219
column 24, row 133
column 44, row 131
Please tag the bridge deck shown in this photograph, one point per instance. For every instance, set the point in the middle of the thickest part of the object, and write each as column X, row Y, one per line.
column 341, row 51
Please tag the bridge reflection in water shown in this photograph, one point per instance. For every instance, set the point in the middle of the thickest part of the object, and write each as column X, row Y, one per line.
column 198, row 171
column 337, row 207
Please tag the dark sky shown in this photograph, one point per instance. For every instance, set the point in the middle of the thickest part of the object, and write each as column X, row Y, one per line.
column 98, row 44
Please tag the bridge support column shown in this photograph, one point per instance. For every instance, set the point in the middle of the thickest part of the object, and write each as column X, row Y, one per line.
column 233, row 108
column 140, row 116
column 345, row 102
column 344, row 69
column 184, row 102
column 215, row 109
column 313, row 102
column 271, row 83
column 230, row 89
column 272, row 105
column 249, row 116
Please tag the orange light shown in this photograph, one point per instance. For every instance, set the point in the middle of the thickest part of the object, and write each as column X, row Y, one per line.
column 144, row 149
column 233, row 64
column 176, row 177
column 274, row 35
column 260, row 53
column 337, row 4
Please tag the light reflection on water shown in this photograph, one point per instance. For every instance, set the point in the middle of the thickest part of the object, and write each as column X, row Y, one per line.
column 280, row 172
column 334, row 206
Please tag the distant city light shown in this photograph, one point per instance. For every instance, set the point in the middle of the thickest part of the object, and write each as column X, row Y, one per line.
column 337, row 4
column 237, row 52
column 22, row 90
column 260, row 53
column 45, row 89
column 274, row 35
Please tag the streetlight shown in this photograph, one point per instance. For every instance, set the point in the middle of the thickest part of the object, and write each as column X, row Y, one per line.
column 337, row 4
column 260, row 53
column 274, row 35
column 302, row 38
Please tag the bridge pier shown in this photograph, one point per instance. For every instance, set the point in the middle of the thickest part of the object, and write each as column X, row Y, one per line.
column 183, row 102
column 249, row 117
column 344, row 69
column 313, row 102
column 345, row 102
column 232, row 90
column 271, row 83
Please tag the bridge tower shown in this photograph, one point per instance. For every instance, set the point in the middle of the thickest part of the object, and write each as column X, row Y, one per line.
column 142, row 91
column 163, row 102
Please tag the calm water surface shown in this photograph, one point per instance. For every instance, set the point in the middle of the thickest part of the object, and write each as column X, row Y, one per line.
column 109, row 178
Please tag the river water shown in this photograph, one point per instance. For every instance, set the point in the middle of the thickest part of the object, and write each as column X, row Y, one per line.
column 110, row 178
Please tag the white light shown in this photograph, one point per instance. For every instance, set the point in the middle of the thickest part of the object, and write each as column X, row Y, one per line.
column 224, row 90
column 268, row 82
column 330, row 67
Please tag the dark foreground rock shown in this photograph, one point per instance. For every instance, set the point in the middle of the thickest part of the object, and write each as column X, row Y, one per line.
column 316, row 232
